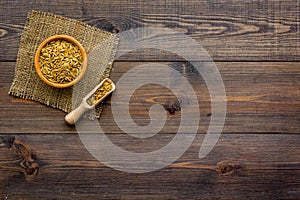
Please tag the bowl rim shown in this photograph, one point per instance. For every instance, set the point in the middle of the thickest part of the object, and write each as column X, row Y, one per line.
column 69, row 39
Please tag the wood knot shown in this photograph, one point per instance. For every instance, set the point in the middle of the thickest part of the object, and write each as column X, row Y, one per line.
column 228, row 168
column 28, row 158
column 172, row 106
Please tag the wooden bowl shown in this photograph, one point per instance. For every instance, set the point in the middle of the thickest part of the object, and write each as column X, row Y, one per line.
column 83, row 67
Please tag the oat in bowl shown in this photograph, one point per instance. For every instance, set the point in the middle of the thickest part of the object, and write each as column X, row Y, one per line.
column 61, row 61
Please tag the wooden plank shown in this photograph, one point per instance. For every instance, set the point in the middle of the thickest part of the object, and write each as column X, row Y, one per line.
column 252, row 166
column 228, row 30
column 262, row 97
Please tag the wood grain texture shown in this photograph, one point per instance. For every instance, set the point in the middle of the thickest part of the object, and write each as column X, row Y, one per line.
column 229, row 30
column 258, row 153
column 267, row 167
column 261, row 97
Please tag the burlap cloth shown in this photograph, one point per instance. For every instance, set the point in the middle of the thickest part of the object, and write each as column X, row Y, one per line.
column 99, row 45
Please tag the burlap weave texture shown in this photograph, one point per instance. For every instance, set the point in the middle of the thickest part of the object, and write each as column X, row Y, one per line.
column 99, row 45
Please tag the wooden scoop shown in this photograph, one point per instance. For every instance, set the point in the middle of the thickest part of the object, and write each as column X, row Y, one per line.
column 73, row 116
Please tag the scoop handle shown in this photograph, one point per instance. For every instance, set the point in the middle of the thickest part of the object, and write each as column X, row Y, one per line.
column 73, row 116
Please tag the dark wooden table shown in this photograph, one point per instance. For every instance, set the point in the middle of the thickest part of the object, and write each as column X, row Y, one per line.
column 256, row 47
